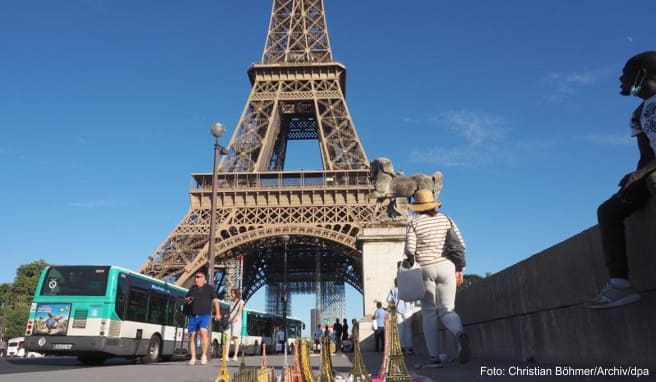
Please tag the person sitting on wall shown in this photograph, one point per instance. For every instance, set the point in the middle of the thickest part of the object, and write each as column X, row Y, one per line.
column 636, row 188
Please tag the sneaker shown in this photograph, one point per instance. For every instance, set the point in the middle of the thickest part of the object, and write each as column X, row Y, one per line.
column 409, row 351
column 192, row 362
column 203, row 359
column 433, row 363
column 235, row 359
column 612, row 297
column 464, row 350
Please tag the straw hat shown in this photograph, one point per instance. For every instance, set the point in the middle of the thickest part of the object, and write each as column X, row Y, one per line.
column 424, row 201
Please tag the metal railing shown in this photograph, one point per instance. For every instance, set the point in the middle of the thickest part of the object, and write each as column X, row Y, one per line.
column 282, row 179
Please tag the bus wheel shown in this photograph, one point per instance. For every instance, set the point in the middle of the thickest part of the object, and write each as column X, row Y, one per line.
column 154, row 348
column 214, row 350
column 91, row 361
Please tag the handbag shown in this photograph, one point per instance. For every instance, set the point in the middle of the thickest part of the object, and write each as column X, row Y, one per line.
column 410, row 282
column 453, row 249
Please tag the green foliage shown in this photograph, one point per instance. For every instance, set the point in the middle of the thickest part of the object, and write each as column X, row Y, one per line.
column 16, row 298
column 25, row 281
column 5, row 293
column 469, row 280
column 14, row 319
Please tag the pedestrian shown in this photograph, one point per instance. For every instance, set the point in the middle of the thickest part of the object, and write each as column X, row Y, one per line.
column 636, row 188
column 403, row 319
column 347, row 343
column 199, row 300
column 234, row 325
column 280, row 339
column 337, row 331
column 379, row 327
column 425, row 238
column 317, row 338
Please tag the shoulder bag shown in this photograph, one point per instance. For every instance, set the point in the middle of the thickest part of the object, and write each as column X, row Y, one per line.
column 410, row 282
column 453, row 249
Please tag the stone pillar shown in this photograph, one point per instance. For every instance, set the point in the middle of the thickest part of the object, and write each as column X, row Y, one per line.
column 382, row 247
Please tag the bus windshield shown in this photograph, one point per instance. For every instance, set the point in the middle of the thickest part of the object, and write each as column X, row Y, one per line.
column 75, row 281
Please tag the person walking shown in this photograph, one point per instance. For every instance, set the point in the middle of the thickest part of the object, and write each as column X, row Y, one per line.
column 337, row 331
column 345, row 330
column 403, row 319
column 234, row 325
column 379, row 327
column 425, row 238
column 636, row 188
column 318, row 332
column 199, row 300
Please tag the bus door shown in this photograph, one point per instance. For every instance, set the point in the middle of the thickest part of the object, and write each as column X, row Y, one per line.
column 181, row 340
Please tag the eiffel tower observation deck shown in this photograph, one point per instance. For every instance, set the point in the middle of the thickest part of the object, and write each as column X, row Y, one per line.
column 329, row 215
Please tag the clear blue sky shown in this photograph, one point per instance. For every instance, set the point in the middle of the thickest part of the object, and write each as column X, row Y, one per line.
column 105, row 108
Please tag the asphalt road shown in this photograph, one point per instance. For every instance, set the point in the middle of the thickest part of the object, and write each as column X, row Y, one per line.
column 68, row 369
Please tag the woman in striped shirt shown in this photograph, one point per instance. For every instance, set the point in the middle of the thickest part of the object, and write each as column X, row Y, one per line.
column 425, row 237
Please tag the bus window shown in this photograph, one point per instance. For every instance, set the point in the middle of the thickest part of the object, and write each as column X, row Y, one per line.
column 169, row 318
column 156, row 309
column 121, row 295
column 137, row 305
column 75, row 281
column 179, row 315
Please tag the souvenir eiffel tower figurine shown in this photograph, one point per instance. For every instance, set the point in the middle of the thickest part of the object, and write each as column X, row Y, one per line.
column 293, row 374
column 396, row 370
column 224, row 375
column 265, row 374
column 245, row 374
column 326, row 372
column 305, row 362
column 386, row 347
column 359, row 371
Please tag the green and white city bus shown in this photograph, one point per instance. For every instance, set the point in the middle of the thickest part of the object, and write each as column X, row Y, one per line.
column 98, row 312
column 257, row 329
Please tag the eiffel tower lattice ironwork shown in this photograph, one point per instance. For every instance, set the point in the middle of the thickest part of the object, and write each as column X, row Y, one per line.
column 298, row 92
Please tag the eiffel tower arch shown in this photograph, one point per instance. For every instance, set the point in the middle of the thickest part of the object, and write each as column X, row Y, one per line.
column 298, row 93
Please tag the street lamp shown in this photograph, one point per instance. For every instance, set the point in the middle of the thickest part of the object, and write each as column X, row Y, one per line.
column 285, row 240
column 217, row 131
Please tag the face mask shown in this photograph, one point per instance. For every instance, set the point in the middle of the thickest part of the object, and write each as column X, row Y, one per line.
column 637, row 84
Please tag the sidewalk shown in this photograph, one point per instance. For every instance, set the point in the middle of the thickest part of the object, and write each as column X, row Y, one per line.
column 499, row 371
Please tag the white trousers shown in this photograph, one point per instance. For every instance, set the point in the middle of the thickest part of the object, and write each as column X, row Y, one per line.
column 405, row 330
column 439, row 302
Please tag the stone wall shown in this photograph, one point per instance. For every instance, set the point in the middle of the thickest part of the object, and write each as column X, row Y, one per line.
column 535, row 307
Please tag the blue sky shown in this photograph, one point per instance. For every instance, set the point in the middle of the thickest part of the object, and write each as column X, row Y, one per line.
column 105, row 108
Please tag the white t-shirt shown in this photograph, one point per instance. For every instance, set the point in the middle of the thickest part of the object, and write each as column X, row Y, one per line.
column 402, row 307
column 281, row 335
column 647, row 122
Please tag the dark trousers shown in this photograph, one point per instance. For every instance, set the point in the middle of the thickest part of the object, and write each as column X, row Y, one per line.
column 611, row 215
column 379, row 336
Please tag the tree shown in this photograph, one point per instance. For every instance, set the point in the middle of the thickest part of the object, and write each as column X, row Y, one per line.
column 14, row 319
column 5, row 293
column 469, row 280
column 27, row 276
column 15, row 299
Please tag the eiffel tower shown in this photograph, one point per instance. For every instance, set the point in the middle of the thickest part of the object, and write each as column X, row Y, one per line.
column 298, row 93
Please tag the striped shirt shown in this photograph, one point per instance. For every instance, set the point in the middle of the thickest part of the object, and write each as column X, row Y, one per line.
column 425, row 236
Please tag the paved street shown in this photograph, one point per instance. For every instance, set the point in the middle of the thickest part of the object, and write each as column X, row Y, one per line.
column 67, row 369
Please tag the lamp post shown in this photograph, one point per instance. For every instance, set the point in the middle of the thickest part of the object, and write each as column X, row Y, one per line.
column 217, row 131
column 285, row 240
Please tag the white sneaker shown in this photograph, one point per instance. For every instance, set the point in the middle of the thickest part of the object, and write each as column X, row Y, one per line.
column 192, row 362
column 612, row 297
column 203, row 359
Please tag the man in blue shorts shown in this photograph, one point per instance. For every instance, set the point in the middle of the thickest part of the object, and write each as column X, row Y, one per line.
column 200, row 299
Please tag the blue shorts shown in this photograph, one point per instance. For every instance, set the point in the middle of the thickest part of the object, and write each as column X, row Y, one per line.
column 198, row 322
